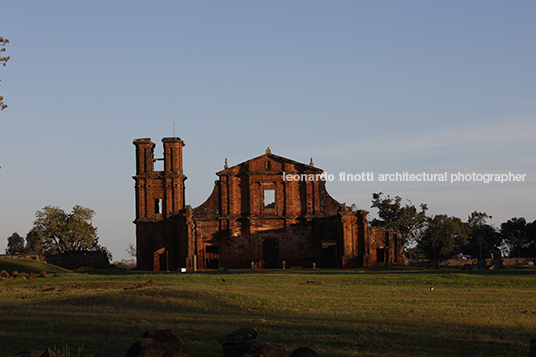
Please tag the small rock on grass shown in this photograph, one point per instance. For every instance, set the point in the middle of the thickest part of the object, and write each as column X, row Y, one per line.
column 240, row 336
column 304, row 352
column 159, row 342
column 265, row 350
column 235, row 343
column 532, row 352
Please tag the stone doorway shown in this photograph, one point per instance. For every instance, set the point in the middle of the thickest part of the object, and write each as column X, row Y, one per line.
column 380, row 255
column 329, row 255
column 270, row 252
column 160, row 260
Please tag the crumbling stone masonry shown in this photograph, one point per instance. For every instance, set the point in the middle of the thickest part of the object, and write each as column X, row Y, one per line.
column 268, row 212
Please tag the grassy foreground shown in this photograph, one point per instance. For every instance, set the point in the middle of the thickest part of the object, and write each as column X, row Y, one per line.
column 368, row 312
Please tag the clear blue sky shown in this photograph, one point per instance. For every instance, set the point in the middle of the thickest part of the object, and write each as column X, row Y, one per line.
column 360, row 86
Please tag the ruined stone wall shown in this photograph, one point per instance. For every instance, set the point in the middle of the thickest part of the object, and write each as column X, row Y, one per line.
column 157, row 245
column 79, row 259
column 247, row 229
column 384, row 247
column 207, row 236
column 266, row 210
column 29, row 256
column 299, row 245
column 263, row 240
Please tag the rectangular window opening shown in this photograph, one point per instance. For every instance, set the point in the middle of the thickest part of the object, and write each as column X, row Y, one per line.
column 157, row 206
column 269, row 198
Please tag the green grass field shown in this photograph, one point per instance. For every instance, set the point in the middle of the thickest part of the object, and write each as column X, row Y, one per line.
column 28, row 266
column 366, row 312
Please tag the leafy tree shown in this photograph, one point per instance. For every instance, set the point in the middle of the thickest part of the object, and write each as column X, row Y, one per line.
column 443, row 237
column 58, row 232
column 482, row 237
column 15, row 244
column 3, row 61
column 519, row 237
column 477, row 219
column 34, row 243
column 531, row 239
column 404, row 219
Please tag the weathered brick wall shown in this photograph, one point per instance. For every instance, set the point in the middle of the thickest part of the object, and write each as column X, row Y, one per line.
column 385, row 247
column 293, row 227
column 159, row 203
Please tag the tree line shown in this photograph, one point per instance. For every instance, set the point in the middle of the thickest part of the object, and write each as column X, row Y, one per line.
column 446, row 237
column 56, row 231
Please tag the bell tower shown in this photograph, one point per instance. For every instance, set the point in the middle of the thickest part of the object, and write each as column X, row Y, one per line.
column 159, row 198
column 159, row 194
column 173, row 176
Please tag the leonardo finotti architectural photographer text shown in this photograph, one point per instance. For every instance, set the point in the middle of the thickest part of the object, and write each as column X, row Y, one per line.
column 409, row 177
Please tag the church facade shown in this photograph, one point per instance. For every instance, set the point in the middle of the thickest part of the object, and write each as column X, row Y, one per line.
column 267, row 212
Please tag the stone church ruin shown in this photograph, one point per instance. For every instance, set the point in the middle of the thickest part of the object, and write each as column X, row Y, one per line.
column 255, row 217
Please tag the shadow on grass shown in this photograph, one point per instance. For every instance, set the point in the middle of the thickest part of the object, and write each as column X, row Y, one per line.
column 108, row 322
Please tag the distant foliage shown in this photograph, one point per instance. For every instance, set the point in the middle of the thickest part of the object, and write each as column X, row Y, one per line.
column 125, row 264
column 3, row 61
column 483, row 238
column 443, row 237
column 55, row 231
column 60, row 232
column 519, row 237
column 34, row 243
column 406, row 219
column 131, row 250
column 15, row 244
